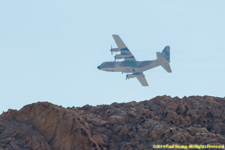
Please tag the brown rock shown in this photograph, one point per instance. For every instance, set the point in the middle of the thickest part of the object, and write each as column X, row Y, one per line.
column 129, row 126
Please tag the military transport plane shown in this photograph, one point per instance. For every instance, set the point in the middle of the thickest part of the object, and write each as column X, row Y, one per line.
column 131, row 65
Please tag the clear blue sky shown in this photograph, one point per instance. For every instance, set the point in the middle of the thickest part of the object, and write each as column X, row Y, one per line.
column 49, row 50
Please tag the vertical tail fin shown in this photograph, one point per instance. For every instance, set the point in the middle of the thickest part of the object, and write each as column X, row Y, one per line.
column 166, row 53
column 163, row 58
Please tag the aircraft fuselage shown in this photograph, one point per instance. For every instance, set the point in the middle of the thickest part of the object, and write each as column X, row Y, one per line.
column 128, row 66
column 131, row 65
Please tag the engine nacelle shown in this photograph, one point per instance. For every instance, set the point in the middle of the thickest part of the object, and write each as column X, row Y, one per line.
column 133, row 76
column 115, row 50
column 120, row 56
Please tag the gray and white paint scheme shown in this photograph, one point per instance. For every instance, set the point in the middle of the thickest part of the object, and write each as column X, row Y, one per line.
column 133, row 67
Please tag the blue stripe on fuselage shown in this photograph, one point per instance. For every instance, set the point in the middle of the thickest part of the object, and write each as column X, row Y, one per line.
column 129, row 63
column 143, row 64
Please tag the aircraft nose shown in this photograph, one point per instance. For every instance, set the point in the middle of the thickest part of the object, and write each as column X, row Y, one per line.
column 99, row 67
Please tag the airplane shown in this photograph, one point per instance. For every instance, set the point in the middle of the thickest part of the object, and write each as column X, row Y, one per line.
column 131, row 65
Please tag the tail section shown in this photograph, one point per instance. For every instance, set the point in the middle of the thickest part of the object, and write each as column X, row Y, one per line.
column 166, row 53
column 163, row 58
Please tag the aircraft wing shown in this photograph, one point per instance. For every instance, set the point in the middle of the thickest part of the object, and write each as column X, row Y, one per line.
column 142, row 80
column 124, row 49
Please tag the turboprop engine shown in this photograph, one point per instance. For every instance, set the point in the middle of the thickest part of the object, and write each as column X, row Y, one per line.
column 134, row 75
column 115, row 50
column 120, row 56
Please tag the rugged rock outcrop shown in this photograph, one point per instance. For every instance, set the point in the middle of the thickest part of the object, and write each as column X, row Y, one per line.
column 133, row 125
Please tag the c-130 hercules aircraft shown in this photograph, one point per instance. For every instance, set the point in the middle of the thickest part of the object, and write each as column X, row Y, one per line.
column 131, row 65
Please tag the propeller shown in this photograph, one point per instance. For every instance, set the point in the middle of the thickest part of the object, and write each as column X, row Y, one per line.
column 111, row 50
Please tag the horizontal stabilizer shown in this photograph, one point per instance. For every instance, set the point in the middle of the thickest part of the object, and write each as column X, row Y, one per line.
column 166, row 66
column 163, row 62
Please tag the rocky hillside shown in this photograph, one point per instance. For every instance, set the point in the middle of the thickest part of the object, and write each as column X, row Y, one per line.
column 133, row 125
